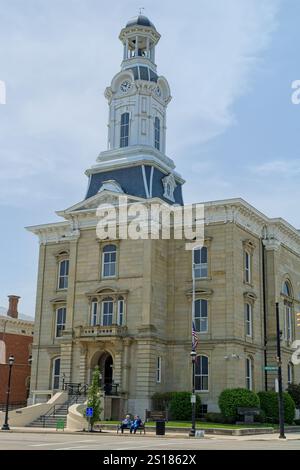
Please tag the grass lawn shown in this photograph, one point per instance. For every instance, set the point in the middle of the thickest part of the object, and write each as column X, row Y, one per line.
column 201, row 425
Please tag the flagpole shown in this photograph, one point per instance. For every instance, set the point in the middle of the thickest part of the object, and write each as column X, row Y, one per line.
column 193, row 353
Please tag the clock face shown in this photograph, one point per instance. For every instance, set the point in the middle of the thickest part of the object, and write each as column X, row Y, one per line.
column 125, row 86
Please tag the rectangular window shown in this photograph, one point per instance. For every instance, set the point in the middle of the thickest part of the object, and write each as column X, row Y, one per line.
column 288, row 323
column 56, row 374
column 248, row 319
column 107, row 312
column 109, row 261
column 200, row 263
column 290, row 374
column 157, row 133
column 94, row 317
column 120, row 312
column 249, row 380
column 201, row 374
column 63, row 274
column 247, row 258
column 201, row 316
column 61, row 314
column 124, row 130
column 158, row 370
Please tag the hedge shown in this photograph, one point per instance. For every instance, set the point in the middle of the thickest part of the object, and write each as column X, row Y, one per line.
column 269, row 404
column 294, row 391
column 178, row 404
column 231, row 399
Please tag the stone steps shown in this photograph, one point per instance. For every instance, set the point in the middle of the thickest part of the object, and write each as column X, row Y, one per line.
column 60, row 415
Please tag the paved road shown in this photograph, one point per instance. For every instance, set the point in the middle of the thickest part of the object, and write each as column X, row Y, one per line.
column 28, row 441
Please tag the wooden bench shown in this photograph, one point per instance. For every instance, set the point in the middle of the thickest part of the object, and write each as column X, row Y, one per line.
column 141, row 429
column 248, row 414
column 156, row 415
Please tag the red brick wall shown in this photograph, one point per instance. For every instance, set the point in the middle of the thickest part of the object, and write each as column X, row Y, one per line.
column 19, row 347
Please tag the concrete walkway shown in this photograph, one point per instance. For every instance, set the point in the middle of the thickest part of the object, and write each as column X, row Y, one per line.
column 258, row 437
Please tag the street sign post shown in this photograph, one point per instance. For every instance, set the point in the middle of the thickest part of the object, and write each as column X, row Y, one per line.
column 271, row 368
column 89, row 412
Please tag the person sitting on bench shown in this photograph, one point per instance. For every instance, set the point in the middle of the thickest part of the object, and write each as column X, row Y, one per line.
column 126, row 423
column 137, row 423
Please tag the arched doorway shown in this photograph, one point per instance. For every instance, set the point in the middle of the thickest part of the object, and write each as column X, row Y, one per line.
column 106, row 368
column 104, row 361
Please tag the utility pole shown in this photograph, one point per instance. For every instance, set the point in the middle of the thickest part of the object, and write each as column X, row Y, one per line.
column 280, row 395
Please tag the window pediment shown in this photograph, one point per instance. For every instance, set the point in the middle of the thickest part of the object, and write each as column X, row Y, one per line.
column 250, row 296
column 200, row 292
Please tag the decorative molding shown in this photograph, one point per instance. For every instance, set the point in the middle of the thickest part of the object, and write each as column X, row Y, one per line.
column 169, row 184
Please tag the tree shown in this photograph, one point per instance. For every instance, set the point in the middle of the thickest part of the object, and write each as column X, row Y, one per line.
column 94, row 397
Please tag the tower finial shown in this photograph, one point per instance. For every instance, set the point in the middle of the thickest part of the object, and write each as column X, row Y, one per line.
column 141, row 10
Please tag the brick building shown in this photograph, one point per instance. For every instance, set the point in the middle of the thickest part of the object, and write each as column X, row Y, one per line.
column 15, row 338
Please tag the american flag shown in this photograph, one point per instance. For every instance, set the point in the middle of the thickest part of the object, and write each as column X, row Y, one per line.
column 195, row 338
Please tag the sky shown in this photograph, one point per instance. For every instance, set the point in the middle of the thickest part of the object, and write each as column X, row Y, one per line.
column 233, row 130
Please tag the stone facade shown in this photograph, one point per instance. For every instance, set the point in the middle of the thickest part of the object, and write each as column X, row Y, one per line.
column 136, row 322
column 154, row 278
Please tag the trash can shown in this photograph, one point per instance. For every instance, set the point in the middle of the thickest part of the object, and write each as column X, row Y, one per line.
column 160, row 428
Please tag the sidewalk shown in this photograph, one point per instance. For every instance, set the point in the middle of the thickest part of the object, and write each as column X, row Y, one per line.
column 260, row 437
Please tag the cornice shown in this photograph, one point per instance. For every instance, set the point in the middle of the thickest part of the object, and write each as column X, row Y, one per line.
column 274, row 232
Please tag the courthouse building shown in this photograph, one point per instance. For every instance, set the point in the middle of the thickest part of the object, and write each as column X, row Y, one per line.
column 126, row 305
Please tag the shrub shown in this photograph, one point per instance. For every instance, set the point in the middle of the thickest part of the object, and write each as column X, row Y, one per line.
column 269, row 404
column 231, row 399
column 181, row 407
column 218, row 418
column 161, row 401
column 294, row 391
column 177, row 403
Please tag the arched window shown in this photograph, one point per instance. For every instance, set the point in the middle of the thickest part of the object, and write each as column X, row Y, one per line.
column 109, row 261
column 157, row 133
column 107, row 311
column 94, row 312
column 124, row 130
column 287, row 289
column 121, row 308
column 61, row 314
column 200, row 262
column 201, row 316
column 201, row 374
column 248, row 319
column 290, row 371
column 249, row 373
column 56, row 373
column 63, row 274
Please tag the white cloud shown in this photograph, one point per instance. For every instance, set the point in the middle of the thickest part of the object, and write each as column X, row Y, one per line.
column 284, row 168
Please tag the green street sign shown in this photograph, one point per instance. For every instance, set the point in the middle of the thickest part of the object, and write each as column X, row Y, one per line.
column 271, row 368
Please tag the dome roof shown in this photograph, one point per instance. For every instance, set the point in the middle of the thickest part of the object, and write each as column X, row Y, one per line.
column 140, row 20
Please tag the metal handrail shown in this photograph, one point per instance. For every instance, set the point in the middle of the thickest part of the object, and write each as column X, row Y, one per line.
column 52, row 411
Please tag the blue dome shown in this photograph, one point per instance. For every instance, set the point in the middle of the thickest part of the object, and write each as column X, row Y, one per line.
column 140, row 20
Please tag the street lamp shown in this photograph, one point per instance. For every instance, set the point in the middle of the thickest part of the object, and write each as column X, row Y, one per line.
column 11, row 360
column 193, row 355
column 279, row 364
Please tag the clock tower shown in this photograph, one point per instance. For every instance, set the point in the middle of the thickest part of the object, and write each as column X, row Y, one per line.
column 135, row 162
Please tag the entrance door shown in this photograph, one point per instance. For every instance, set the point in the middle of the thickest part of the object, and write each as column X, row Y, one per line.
column 108, row 374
